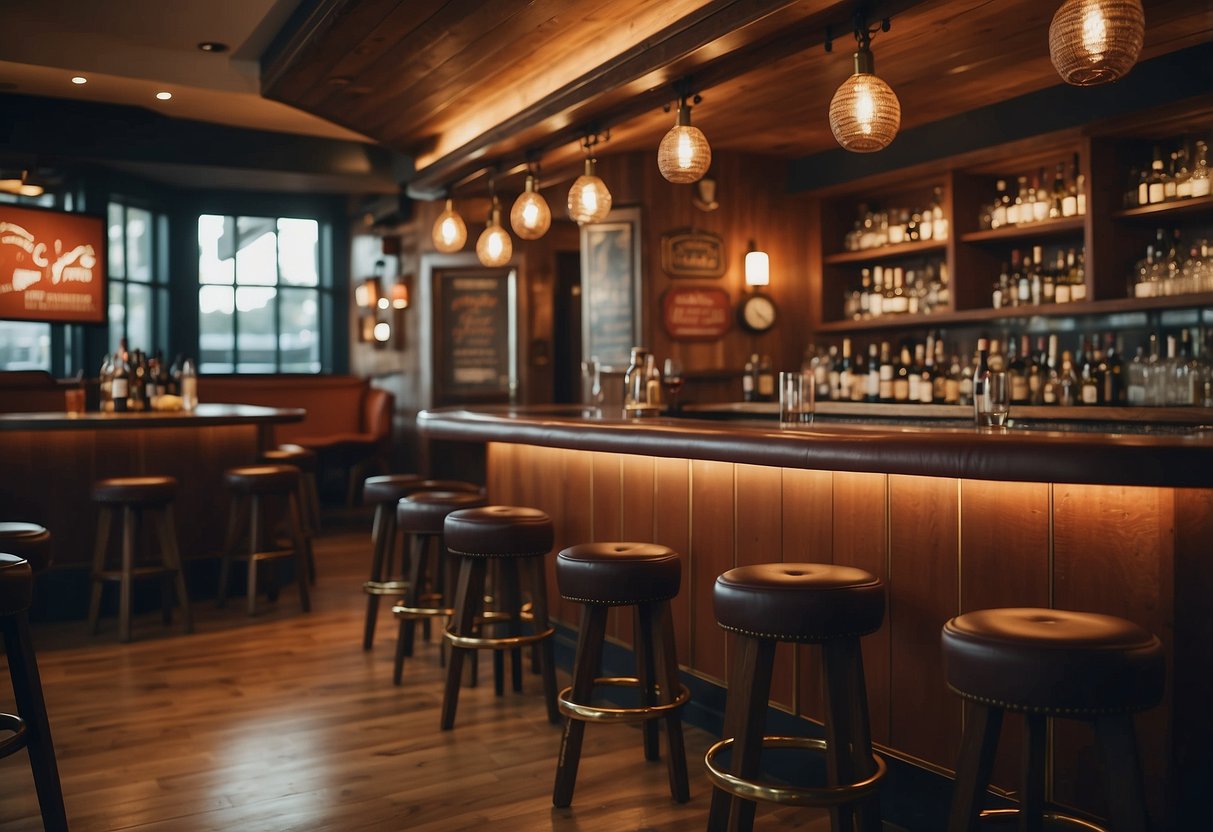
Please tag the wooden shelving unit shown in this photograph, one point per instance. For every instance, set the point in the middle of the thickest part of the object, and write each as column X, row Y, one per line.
column 1159, row 212
column 1047, row 229
column 886, row 254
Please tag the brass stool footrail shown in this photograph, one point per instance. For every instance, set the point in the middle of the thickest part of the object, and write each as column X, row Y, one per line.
column 250, row 487
column 30, row 727
column 644, row 576
column 1046, row 664
column 803, row 603
column 517, row 539
column 136, row 497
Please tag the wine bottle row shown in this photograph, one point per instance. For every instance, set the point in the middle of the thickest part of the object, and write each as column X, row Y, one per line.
column 1170, row 177
column 899, row 290
column 1031, row 280
column 1036, row 200
column 876, row 228
column 131, row 381
column 1172, row 266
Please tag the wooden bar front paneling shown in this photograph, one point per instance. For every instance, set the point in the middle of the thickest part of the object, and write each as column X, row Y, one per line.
column 672, row 527
column 712, row 550
column 808, row 537
column 606, row 514
column 636, row 516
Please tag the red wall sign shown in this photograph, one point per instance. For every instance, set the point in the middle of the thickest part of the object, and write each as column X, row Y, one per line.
column 692, row 312
column 52, row 266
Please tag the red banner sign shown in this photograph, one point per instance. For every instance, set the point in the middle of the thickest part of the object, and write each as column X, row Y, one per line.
column 52, row 266
column 691, row 313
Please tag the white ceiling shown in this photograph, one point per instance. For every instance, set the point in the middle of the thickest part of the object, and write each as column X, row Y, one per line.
column 131, row 49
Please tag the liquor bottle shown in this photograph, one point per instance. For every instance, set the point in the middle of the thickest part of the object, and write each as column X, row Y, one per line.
column 845, row 379
column 749, row 379
column 1052, row 377
column 981, row 377
column 939, row 222
column 928, row 374
column 939, row 385
column 1067, row 381
column 1069, row 203
column 872, row 389
column 914, row 225
column 105, row 400
column 1135, row 379
column 1040, row 197
column 914, row 374
column 174, row 376
column 1058, row 198
column 825, row 374
column 1020, row 211
column 1019, row 372
column 1154, row 183
column 865, row 294
column 1038, row 373
column 999, row 296
column 120, row 383
column 1200, row 170
column 1113, row 373
column 1155, row 381
column 1089, row 383
column 1183, row 176
column 138, row 380
column 189, row 386
column 887, row 372
column 1077, row 276
column 1036, row 276
column 859, row 378
column 1002, row 201
column 1143, row 187
column 995, row 358
column 965, row 375
column 1023, row 279
column 1080, row 188
column 766, row 380
column 876, row 298
column 1169, row 183
column 652, row 381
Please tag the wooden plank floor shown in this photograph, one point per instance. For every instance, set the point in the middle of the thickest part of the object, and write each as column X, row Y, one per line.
column 282, row 722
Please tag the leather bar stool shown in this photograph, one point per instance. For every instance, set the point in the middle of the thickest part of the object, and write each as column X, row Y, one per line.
column 250, row 487
column 30, row 726
column 386, row 577
column 1050, row 663
column 28, row 541
column 517, row 539
column 137, row 497
column 309, row 497
column 421, row 516
column 802, row 603
column 644, row 576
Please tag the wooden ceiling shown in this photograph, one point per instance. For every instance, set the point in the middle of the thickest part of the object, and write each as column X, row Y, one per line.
column 464, row 85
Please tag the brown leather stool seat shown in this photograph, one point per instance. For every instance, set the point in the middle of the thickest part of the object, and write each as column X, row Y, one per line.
column 1050, row 663
column 302, row 458
column 645, row 576
column 130, row 499
column 388, row 578
column 28, row 541
column 30, row 727
column 804, row 603
column 250, row 488
column 427, row 593
column 135, row 491
column 517, row 539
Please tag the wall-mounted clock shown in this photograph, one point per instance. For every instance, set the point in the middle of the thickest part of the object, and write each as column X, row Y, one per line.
column 756, row 312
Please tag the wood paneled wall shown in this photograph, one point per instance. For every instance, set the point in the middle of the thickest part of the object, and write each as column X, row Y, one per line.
column 943, row 546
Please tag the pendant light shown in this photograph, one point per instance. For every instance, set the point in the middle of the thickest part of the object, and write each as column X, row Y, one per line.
column 494, row 248
column 589, row 199
column 865, row 113
column 450, row 232
column 531, row 217
column 684, row 154
column 1096, row 41
column 22, row 187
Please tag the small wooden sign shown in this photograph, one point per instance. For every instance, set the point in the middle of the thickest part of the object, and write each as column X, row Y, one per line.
column 696, row 312
column 690, row 253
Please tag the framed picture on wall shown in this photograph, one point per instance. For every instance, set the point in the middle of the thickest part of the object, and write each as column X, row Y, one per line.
column 612, row 320
column 475, row 332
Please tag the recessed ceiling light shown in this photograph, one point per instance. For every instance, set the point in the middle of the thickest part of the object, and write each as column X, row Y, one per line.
column 79, row 79
column 164, row 96
column 213, row 46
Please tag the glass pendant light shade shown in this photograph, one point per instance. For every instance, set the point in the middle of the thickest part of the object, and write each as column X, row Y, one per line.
column 450, row 232
column 1096, row 41
column 865, row 114
column 494, row 248
column 531, row 217
column 589, row 199
column 684, row 153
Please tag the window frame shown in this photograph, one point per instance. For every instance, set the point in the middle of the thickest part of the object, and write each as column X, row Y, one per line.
column 159, row 283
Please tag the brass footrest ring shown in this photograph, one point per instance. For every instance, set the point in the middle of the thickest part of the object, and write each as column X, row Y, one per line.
column 791, row 795
column 385, row 587
column 496, row 643
column 1062, row 820
column 19, row 738
column 594, row 713
column 401, row 611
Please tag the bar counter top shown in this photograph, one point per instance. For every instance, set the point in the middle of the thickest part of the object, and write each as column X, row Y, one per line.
column 206, row 415
column 1122, row 455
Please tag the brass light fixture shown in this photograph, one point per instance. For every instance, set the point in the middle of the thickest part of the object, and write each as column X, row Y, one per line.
column 494, row 248
column 22, row 186
column 589, row 199
column 865, row 114
column 1096, row 41
column 450, row 232
column 684, row 154
column 531, row 217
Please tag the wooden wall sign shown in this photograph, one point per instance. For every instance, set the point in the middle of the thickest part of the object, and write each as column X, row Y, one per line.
column 692, row 313
column 52, row 266
column 690, row 253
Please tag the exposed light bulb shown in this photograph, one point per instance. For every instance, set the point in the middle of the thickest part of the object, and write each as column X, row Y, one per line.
column 494, row 248
column 164, row 96
column 383, row 332
column 684, row 154
column 400, row 296
column 79, row 79
column 589, row 199
column 531, row 217
column 450, row 232
column 757, row 269
column 865, row 114
column 1096, row 41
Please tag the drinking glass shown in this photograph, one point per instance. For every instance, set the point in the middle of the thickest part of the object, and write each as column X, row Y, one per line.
column 796, row 399
column 993, row 405
column 73, row 399
column 673, row 380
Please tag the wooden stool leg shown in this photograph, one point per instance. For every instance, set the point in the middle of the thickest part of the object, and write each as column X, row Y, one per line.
column 104, row 516
column 744, row 720
column 666, row 655
column 250, row 603
column 235, row 520
column 646, row 673
column 1032, row 774
column 313, row 500
column 407, row 629
column 977, row 750
column 1122, row 772
column 377, row 575
column 469, row 601
column 303, row 550
column 31, row 707
column 308, row 529
column 547, row 655
column 848, row 736
column 172, row 559
column 510, row 602
column 128, row 563
column 586, row 667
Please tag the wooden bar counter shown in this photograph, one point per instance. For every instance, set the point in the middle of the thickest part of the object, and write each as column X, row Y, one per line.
column 953, row 518
column 48, row 462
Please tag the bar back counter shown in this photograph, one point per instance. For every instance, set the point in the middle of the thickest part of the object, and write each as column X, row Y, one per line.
column 952, row 518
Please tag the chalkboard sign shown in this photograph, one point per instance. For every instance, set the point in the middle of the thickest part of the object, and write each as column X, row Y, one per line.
column 474, row 348
column 610, row 276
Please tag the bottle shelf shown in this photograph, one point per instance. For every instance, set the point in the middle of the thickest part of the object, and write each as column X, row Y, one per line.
column 886, row 253
column 1166, row 209
column 1034, row 230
